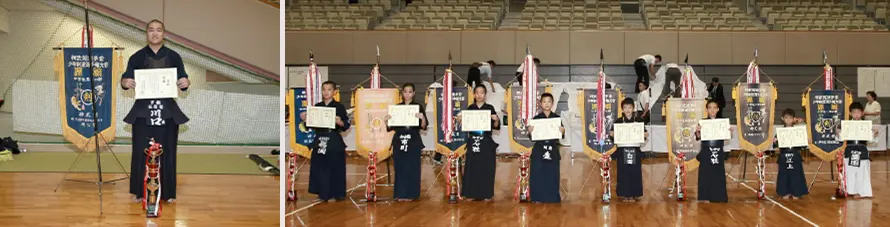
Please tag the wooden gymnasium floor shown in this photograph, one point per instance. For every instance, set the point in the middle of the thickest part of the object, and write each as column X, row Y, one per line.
column 27, row 199
column 584, row 208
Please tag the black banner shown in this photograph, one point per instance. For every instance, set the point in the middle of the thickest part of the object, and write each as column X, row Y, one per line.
column 755, row 109
column 461, row 97
column 588, row 107
column 825, row 110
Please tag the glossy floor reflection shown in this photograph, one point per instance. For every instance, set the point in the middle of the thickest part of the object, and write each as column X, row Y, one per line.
column 581, row 207
column 27, row 199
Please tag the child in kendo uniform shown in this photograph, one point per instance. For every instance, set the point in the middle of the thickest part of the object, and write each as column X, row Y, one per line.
column 628, row 156
column 544, row 169
column 711, row 169
column 857, row 164
column 791, row 182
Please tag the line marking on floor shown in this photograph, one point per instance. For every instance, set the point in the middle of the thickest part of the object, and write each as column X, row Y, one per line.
column 318, row 202
column 774, row 202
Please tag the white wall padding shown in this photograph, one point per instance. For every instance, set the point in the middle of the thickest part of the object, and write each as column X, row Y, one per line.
column 216, row 117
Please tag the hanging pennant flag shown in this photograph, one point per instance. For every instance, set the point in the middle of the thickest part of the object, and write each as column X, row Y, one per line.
column 375, row 72
column 447, row 114
column 601, row 108
column 753, row 70
column 829, row 73
column 530, row 89
column 84, row 33
column 313, row 81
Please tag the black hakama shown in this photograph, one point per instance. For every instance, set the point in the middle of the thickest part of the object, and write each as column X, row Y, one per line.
column 544, row 169
column 630, row 169
column 791, row 179
column 406, row 147
column 479, row 169
column 712, row 172
column 630, row 172
column 327, row 166
column 157, row 119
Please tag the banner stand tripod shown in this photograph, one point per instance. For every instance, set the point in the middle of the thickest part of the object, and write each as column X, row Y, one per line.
column 99, row 182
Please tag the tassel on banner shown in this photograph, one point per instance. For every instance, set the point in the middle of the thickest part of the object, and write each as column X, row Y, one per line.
column 761, row 165
column 607, row 178
column 522, row 184
column 371, row 186
column 453, row 188
column 841, row 191
column 292, row 173
column 681, row 177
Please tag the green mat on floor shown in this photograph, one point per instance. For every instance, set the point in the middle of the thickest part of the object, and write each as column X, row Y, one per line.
column 201, row 163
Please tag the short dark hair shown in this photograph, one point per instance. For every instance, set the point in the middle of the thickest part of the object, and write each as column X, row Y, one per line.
column 491, row 62
column 714, row 102
column 856, row 106
column 537, row 61
column 658, row 56
column 332, row 83
column 643, row 83
column 715, row 80
column 163, row 27
column 872, row 94
column 788, row 112
column 407, row 85
column 627, row 101
column 484, row 89
column 547, row 95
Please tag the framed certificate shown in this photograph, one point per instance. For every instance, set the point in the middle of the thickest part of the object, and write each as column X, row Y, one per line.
column 629, row 133
column 321, row 117
column 715, row 129
column 856, row 130
column 792, row 136
column 475, row 120
column 403, row 115
column 156, row 83
column 546, row 128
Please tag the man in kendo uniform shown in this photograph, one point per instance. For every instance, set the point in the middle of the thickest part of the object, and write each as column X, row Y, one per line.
column 155, row 120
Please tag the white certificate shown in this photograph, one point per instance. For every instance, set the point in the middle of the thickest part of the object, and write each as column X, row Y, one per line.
column 156, row 83
column 856, row 130
column 321, row 117
column 629, row 133
column 403, row 115
column 546, row 128
column 715, row 129
column 475, row 120
column 792, row 136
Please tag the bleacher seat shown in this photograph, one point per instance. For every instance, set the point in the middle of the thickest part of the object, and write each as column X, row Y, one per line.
column 447, row 15
column 336, row 14
column 815, row 15
column 718, row 15
column 571, row 15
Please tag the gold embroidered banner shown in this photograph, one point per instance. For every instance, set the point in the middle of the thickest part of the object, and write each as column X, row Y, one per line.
column 682, row 121
column 76, row 94
column 520, row 141
column 371, row 106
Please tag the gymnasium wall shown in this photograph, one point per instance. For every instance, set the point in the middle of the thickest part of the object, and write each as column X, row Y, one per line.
column 219, row 112
column 582, row 47
column 233, row 22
